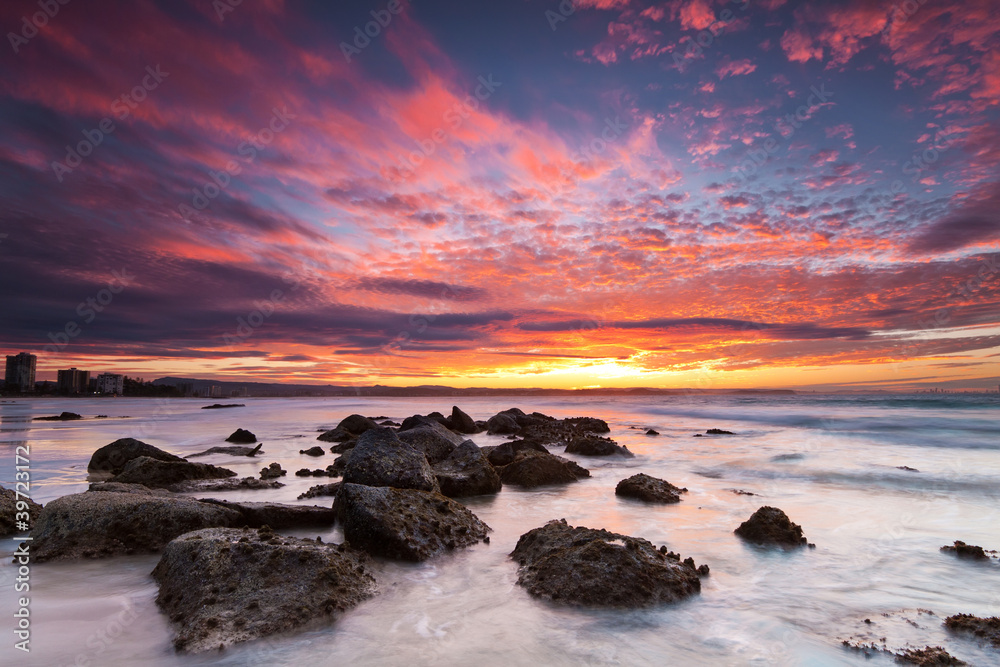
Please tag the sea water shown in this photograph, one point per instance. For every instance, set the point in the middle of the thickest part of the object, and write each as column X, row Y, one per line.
column 833, row 463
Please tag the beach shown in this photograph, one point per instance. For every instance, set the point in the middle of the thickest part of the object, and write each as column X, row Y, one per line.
column 878, row 483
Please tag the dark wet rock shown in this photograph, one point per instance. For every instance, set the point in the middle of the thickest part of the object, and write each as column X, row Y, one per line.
column 242, row 436
column 649, row 489
column 907, row 468
column 313, row 451
column 467, row 472
column 405, row 524
column 461, row 422
column 224, row 586
column 963, row 550
column 769, row 525
column 927, row 657
column 598, row 568
column 349, row 428
column 339, row 464
column 439, row 418
column 382, row 459
column 8, row 512
column 278, row 515
column 220, row 406
column 652, row 432
column 718, row 431
column 303, row 472
column 152, row 472
column 96, row 525
column 234, row 450
column 984, row 628
column 321, row 490
column 114, row 457
column 116, row 487
column 595, row 446
column 272, row 471
column 62, row 417
column 741, row 492
column 343, row 447
column 230, row 484
column 505, row 453
column 530, row 469
column 417, row 420
column 434, row 440
column 502, row 424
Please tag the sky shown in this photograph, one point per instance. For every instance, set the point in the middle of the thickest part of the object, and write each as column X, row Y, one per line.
column 600, row 193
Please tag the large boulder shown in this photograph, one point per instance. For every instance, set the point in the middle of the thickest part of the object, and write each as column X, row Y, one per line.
column 531, row 469
column 649, row 489
column 433, row 439
column 405, row 524
column 95, row 525
column 595, row 446
column 10, row 522
column 152, row 472
column 349, row 428
column 313, row 451
column 233, row 450
column 769, row 525
column 242, row 436
column 277, row 515
column 598, row 568
column 982, row 627
column 382, row 459
column 114, row 457
column 467, row 472
column 505, row 453
column 502, row 424
column 228, row 484
column 461, row 422
column 223, row 586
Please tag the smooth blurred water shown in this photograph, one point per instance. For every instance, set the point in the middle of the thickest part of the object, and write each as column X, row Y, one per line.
column 829, row 461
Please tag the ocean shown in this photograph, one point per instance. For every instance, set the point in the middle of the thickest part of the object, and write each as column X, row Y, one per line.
column 836, row 464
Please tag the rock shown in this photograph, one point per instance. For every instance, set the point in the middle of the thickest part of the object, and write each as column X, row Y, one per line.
column 65, row 416
column 984, row 628
column 461, row 422
column 303, row 472
column 417, row 420
column 272, row 471
column 321, row 490
column 741, row 492
column 927, row 657
column 349, row 428
column 223, row 586
column 718, row 431
column 505, row 453
column 343, row 447
column 152, row 472
column 96, row 525
column 907, row 468
column 769, row 525
column 594, row 446
column 434, row 440
column 963, row 550
column 467, row 472
column 598, row 568
column 313, row 451
column 231, row 484
column 501, row 424
column 242, row 436
column 405, row 524
column 652, row 432
column 220, row 406
column 116, row 487
column 650, row 489
column 277, row 515
column 114, row 457
column 235, row 450
column 335, row 435
column 9, row 511
column 531, row 469
column 382, row 459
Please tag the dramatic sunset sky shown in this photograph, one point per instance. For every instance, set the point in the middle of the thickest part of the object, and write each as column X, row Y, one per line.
column 696, row 193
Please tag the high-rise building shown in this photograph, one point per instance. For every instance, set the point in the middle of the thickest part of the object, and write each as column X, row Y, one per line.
column 110, row 383
column 73, row 381
column 20, row 371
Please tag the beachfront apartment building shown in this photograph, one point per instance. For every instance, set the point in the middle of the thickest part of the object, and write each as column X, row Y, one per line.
column 20, row 372
column 73, row 381
column 110, row 383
